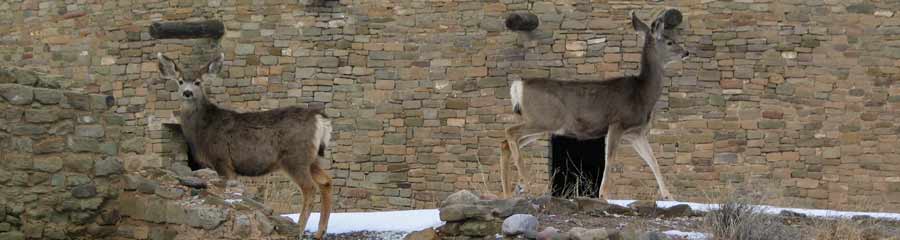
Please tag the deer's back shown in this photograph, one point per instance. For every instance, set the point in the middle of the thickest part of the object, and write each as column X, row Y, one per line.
column 258, row 142
column 584, row 108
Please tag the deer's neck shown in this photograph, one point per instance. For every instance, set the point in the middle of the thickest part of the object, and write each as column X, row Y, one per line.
column 193, row 114
column 651, row 67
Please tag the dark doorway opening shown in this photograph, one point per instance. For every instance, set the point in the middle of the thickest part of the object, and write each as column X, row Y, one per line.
column 576, row 166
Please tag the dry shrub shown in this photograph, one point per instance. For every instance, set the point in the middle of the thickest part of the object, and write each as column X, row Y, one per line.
column 738, row 219
column 845, row 229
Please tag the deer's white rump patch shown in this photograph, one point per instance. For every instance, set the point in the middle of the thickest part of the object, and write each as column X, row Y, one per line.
column 322, row 135
column 515, row 93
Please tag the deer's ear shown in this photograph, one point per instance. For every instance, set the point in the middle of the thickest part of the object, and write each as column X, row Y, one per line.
column 167, row 68
column 638, row 25
column 215, row 65
column 658, row 28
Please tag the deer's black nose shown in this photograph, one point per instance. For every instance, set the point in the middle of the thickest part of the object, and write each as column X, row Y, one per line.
column 686, row 54
column 188, row 94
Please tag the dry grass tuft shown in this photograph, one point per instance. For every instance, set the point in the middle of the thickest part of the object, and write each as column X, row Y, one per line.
column 846, row 229
column 738, row 219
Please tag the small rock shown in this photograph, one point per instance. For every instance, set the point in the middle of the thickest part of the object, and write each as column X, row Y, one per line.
column 791, row 214
column 193, row 182
column 519, row 224
column 181, row 169
column 169, row 192
column 507, row 207
column 884, row 13
column 644, row 207
column 616, row 209
column 84, row 191
column 680, row 210
column 548, row 233
column 460, row 197
column 285, row 226
column 206, row 174
column 425, row 234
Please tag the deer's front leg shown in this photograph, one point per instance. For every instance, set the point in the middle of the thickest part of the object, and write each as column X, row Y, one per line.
column 612, row 142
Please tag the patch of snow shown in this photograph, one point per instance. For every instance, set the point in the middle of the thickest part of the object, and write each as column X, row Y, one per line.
column 232, row 201
column 821, row 213
column 394, row 221
column 687, row 235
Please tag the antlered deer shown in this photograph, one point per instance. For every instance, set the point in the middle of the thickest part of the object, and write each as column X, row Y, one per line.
column 617, row 107
column 254, row 143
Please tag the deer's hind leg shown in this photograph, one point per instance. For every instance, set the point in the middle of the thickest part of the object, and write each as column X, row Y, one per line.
column 642, row 146
column 517, row 136
column 505, row 170
column 303, row 178
column 324, row 181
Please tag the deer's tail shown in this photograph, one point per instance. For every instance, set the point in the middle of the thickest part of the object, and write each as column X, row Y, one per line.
column 515, row 93
column 323, row 133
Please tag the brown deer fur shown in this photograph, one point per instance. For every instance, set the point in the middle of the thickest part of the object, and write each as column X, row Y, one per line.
column 255, row 143
column 617, row 107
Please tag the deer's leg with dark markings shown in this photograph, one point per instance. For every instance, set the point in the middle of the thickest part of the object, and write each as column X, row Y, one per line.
column 613, row 135
column 324, row 181
column 642, row 146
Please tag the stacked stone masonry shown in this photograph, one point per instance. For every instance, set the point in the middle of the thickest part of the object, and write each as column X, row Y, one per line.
column 58, row 167
column 800, row 97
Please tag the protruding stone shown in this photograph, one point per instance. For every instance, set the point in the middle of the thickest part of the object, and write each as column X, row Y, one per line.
column 108, row 166
column 460, row 197
column 16, row 94
column 84, row 191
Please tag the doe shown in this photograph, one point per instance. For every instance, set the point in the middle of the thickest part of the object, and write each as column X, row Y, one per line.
column 618, row 108
column 292, row 139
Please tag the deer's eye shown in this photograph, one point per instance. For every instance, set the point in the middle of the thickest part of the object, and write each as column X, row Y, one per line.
column 669, row 43
column 180, row 82
column 197, row 83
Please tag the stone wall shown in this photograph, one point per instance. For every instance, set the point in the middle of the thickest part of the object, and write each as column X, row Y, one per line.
column 58, row 165
column 799, row 96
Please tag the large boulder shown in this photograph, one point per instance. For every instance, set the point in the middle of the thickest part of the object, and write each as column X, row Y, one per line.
column 519, row 224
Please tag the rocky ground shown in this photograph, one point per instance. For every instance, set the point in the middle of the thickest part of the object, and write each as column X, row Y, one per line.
column 469, row 216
